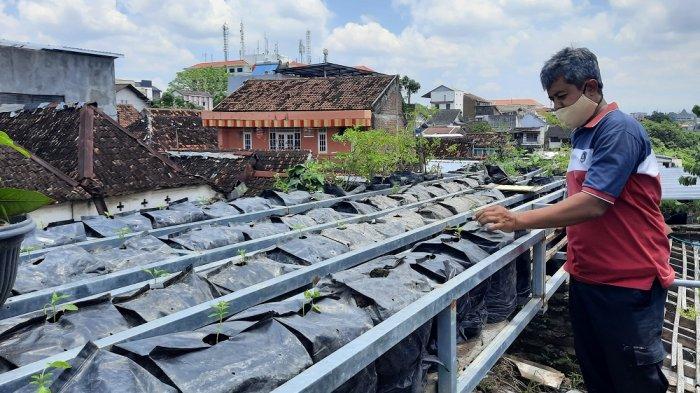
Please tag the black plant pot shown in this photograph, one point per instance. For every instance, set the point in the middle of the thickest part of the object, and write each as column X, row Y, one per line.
column 10, row 242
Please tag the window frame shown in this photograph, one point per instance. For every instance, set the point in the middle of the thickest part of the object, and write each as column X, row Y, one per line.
column 323, row 132
column 249, row 136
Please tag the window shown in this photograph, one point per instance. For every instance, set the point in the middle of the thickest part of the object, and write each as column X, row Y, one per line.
column 530, row 137
column 322, row 142
column 447, row 106
column 554, row 139
column 285, row 139
column 239, row 69
column 231, row 70
column 247, row 140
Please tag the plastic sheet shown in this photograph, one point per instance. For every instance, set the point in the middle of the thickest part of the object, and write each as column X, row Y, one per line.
column 468, row 182
column 165, row 218
column 115, row 259
column 258, row 229
column 389, row 228
column 419, row 191
column 219, row 209
column 436, row 191
column 452, row 187
column 286, row 199
column 252, row 204
column 98, row 370
column 24, row 340
column 435, row 211
column 54, row 236
column 460, row 204
column 117, row 226
column 307, row 250
column 232, row 276
column 405, row 199
column 353, row 235
column 338, row 191
column 178, row 293
column 207, row 237
column 498, row 175
column 407, row 218
column 382, row 202
column 353, row 207
column 492, row 193
column 323, row 215
column 297, row 221
column 54, row 268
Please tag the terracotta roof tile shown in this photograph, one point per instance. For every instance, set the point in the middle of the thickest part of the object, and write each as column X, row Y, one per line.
column 127, row 115
column 306, row 94
column 217, row 64
column 224, row 174
column 174, row 129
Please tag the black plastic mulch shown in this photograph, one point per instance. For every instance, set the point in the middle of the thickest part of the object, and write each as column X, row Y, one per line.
column 54, row 268
column 258, row 229
column 353, row 207
column 435, row 211
column 323, row 215
column 252, row 204
column 207, row 237
column 286, row 199
column 219, row 209
column 306, row 250
column 354, row 235
column 382, row 202
column 118, row 225
column 232, row 276
column 54, row 236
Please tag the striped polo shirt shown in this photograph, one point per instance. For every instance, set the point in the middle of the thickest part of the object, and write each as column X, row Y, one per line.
column 612, row 159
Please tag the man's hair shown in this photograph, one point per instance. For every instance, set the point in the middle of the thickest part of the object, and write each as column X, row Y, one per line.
column 576, row 65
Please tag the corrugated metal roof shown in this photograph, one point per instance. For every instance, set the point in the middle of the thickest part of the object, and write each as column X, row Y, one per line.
column 672, row 189
column 264, row 69
column 29, row 45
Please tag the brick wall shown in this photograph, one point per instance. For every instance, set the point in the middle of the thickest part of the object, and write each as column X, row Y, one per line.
column 232, row 138
column 388, row 111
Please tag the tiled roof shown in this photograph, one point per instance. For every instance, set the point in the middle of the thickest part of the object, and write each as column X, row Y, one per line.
column 121, row 86
column 218, row 64
column 446, row 117
column 517, row 101
column 440, row 130
column 224, row 174
column 529, row 120
column 307, row 94
column 279, row 160
column 558, row 132
column 117, row 164
column 174, row 129
column 127, row 115
column 37, row 175
column 477, row 98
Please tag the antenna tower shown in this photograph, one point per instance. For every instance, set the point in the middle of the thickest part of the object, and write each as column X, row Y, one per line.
column 225, row 28
column 241, row 52
column 308, row 46
column 301, row 51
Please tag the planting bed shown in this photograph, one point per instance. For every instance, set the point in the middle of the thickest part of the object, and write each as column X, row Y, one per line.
column 294, row 331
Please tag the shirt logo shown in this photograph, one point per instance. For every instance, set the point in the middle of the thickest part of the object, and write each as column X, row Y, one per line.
column 583, row 156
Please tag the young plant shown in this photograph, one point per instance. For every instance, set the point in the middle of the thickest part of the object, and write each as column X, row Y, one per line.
column 54, row 307
column 43, row 379
column 242, row 254
column 311, row 295
column 121, row 233
column 156, row 273
column 220, row 311
column 297, row 227
column 457, row 230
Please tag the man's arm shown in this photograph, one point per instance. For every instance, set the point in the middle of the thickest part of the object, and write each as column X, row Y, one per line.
column 573, row 210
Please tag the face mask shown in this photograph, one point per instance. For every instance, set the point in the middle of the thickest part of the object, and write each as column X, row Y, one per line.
column 576, row 114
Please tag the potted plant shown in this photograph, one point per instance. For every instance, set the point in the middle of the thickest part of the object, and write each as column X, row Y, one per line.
column 15, row 203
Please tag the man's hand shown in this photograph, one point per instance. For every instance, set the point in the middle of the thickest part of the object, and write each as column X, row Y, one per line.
column 497, row 218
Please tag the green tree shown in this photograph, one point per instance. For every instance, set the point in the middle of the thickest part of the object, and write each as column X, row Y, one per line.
column 658, row 117
column 212, row 80
column 551, row 119
column 169, row 100
column 668, row 138
column 696, row 110
column 426, row 112
column 480, row 126
column 410, row 86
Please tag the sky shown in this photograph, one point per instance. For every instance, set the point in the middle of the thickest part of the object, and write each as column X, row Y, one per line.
column 649, row 51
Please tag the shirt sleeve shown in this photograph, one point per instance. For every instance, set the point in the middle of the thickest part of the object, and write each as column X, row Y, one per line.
column 615, row 158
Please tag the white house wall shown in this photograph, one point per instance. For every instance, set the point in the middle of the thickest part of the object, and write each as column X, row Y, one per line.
column 126, row 96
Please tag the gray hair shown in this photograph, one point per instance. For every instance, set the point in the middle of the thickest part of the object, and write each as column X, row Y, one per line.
column 576, row 65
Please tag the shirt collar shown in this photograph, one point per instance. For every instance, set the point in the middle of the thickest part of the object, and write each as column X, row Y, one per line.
column 606, row 109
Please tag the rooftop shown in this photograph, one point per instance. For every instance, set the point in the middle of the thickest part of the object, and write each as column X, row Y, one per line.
column 174, row 129
column 325, row 70
column 59, row 48
column 517, row 101
column 220, row 64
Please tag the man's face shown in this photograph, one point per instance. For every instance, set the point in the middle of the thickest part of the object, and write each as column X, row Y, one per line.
column 563, row 94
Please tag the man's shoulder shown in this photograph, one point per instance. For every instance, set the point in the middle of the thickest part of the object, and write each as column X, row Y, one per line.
column 618, row 121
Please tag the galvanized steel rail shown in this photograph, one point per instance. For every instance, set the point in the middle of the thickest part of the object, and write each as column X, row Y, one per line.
column 197, row 316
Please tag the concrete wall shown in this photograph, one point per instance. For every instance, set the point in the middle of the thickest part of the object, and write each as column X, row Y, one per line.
column 77, row 77
column 126, row 96
column 387, row 113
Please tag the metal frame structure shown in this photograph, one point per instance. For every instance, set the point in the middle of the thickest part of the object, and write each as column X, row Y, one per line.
column 440, row 304
column 197, row 316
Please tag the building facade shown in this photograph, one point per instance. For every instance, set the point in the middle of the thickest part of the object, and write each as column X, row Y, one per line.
column 305, row 113
column 127, row 94
column 200, row 98
column 444, row 97
column 33, row 73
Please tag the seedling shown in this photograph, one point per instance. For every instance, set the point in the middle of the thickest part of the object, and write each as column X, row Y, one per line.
column 242, row 254
column 689, row 313
column 156, row 273
column 220, row 311
column 395, row 189
column 297, row 227
column 53, row 305
column 29, row 249
column 121, row 233
column 108, row 215
column 42, row 380
column 311, row 295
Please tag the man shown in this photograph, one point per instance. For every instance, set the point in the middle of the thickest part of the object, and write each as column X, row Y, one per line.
column 617, row 254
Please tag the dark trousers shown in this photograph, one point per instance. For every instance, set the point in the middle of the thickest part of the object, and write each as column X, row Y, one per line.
column 617, row 337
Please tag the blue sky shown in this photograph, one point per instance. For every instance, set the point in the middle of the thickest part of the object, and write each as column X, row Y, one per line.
column 649, row 51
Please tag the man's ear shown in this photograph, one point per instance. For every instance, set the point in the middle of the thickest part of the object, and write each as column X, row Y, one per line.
column 592, row 89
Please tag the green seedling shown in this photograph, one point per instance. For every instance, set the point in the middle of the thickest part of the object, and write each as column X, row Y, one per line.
column 29, row 249
column 42, row 380
column 311, row 295
column 242, row 255
column 121, row 233
column 108, row 215
column 395, row 189
column 689, row 313
column 297, row 227
column 220, row 312
column 156, row 273
column 54, row 307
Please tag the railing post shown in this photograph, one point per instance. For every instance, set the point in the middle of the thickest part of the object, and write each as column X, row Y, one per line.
column 447, row 349
column 538, row 272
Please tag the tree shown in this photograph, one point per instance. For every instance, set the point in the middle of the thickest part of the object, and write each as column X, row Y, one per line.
column 212, row 80
column 409, row 85
column 480, row 126
column 169, row 100
column 668, row 138
column 658, row 117
column 696, row 110
column 551, row 119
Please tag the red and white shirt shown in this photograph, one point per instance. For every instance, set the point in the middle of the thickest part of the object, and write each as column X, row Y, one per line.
column 612, row 160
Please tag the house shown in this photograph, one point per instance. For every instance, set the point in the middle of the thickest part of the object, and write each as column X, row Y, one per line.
column 445, row 117
column 472, row 145
column 172, row 130
column 639, row 116
column 200, row 98
column 305, row 113
column 529, row 131
column 475, row 106
column 444, row 97
column 517, row 105
column 88, row 148
column 685, row 119
column 128, row 94
column 34, row 73
column 146, row 87
column 556, row 136
column 442, row 132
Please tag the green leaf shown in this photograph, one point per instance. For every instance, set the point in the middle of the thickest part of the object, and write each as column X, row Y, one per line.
column 43, row 389
column 5, row 140
column 15, row 201
column 62, row 364
column 70, row 307
column 316, row 308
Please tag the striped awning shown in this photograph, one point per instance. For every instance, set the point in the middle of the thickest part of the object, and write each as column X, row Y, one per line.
column 288, row 119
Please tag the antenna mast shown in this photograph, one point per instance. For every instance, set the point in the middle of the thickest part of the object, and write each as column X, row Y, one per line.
column 241, row 52
column 267, row 49
column 225, row 28
column 301, row 51
column 308, row 46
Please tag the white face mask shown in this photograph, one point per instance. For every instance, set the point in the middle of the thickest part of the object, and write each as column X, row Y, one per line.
column 576, row 114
